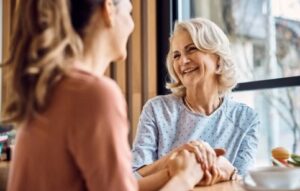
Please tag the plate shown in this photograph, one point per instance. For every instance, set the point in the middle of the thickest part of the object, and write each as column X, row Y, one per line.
column 250, row 185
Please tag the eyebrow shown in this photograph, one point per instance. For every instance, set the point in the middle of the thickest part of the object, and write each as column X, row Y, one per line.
column 191, row 44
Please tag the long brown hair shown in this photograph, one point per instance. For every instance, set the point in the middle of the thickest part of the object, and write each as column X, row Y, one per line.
column 43, row 40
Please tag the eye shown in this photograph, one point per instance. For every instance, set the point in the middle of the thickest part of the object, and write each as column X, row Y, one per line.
column 176, row 56
column 192, row 48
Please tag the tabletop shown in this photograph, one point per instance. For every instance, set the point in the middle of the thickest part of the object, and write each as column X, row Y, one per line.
column 225, row 186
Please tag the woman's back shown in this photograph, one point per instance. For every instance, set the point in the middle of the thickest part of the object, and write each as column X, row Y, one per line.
column 78, row 143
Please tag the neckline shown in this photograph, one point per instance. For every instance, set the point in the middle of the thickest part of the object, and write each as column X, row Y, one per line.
column 224, row 99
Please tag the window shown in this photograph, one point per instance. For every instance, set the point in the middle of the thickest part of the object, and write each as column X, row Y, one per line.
column 279, row 113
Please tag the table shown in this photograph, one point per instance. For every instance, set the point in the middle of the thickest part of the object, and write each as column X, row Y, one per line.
column 225, row 186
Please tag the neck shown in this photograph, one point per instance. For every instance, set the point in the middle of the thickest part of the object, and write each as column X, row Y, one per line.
column 202, row 100
column 97, row 63
column 98, row 53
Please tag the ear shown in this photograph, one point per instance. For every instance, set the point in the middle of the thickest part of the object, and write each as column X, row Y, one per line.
column 108, row 13
column 219, row 66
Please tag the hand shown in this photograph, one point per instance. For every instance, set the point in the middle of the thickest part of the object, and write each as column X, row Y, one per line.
column 226, row 168
column 184, row 165
column 211, row 177
column 205, row 154
column 220, row 172
column 192, row 147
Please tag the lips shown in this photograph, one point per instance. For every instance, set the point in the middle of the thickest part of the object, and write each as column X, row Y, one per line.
column 189, row 70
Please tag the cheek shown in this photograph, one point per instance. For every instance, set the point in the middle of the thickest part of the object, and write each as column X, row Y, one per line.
column 177, row 72
column 127, row 23
column 131, row 24
column 176, row 69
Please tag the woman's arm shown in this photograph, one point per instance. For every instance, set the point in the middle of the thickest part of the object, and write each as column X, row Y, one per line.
column 185, row 172
column 247, row 151
column 155, row 181
column 182, row 172
column 145, row 145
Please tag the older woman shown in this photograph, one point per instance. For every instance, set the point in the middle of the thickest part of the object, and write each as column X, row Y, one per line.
column 198, row 112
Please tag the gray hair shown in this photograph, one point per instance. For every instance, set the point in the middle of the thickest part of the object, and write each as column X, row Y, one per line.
column 209, row 38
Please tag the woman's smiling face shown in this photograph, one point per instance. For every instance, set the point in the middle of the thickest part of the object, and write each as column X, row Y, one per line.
column 191, row 65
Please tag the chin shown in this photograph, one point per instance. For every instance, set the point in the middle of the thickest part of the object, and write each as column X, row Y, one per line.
column 121, row 57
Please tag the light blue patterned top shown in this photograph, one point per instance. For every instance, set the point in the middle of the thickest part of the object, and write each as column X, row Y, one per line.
column 166, row 123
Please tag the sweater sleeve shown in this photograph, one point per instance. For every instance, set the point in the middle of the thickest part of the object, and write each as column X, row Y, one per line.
column 98, row 137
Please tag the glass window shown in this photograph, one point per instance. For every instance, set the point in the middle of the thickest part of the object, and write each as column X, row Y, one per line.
column 279, row 113
column 265, row 35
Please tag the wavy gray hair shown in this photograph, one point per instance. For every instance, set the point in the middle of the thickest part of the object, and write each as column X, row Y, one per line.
column 207, row 37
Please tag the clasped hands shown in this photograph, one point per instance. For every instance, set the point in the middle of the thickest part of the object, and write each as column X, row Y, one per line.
column 198, row 163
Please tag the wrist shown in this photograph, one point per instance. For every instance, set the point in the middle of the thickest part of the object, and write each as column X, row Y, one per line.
column 148, row 170
column 183, row 182
column 157, row 165
column 234, row 174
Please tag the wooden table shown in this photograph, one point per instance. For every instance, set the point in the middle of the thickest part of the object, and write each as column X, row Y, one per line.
column 225, row 186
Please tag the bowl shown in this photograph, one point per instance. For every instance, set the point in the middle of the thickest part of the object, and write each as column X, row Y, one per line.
column 276, row 177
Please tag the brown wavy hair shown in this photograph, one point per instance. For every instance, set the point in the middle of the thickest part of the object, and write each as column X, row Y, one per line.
column 43, row 45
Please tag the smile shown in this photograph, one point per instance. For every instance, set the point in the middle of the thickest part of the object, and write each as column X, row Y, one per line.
column 189, row 70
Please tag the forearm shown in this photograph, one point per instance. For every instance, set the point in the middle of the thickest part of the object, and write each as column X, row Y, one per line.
column 156, row 166
column 148, row 169
column 154, row 181
column 177, row 183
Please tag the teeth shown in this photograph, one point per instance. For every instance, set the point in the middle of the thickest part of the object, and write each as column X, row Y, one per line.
column 188, row 70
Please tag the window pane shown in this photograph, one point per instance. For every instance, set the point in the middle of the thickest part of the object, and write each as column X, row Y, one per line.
column 279, row 113
column 265, row 35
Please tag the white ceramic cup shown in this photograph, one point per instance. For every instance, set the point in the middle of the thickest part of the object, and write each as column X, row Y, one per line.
column 276, row 177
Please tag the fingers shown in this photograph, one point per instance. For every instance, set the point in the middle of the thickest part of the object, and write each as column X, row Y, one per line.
column 173, row 155
column 193, row 149
column 207, row 179
column 215, row 175
column 201, row 152
column 211, row 155
column 185, row 154
column 205, row 154
column 208, row 155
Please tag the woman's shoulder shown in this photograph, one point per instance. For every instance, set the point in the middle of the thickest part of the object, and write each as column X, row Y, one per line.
column 84, row 84
column 240, row 111
column 238, row 106
column 166, row 100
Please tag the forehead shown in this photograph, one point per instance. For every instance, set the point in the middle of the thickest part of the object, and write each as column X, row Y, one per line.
column 180, row 39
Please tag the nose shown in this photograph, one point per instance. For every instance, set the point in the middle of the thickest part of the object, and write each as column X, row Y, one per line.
column 184, row 60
